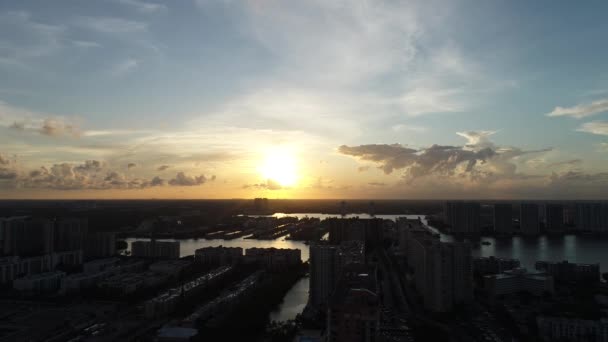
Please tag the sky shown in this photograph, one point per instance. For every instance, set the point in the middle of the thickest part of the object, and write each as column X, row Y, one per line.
column 303, row 99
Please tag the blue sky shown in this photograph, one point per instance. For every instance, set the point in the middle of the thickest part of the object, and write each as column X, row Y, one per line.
column 212, row 88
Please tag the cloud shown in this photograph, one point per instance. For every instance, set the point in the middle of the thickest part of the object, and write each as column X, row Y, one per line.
column 594, row 127
column 570, row 162
column 85, row 44
column 157, row 181
column 163, row 167
column 477, row 161
column 406, row 127
column 427, row 100
column 478, row 139
column 142, row 6
column 92, row 174
column 124, row 67
column 333, row 64
column 22, row 120
column 376, row 184
column 182, row 179
column 581, row 110
column 131, row 165
column 7, row 171
column 363, row 168
column 55, row 127
column 111, row 25
column 270, row 184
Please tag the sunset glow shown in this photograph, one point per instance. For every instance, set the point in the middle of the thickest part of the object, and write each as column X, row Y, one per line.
column 280, row 166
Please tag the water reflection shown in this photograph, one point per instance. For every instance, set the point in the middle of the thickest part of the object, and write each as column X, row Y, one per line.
column 293, row 302
column 188, row 246
column 581, row 249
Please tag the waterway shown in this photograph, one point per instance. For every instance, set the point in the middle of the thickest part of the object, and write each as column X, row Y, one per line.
column 293, row 302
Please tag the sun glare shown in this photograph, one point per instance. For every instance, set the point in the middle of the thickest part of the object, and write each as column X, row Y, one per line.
column 280, row 166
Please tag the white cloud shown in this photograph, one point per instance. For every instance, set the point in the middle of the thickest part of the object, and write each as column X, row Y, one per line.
column 594, row 127
column 124, row 67
column 407, row 127
column 112, row 25
column 424, row 100
column 51, row 125
column 143, row 6
column 85, row 44
column 581, row 110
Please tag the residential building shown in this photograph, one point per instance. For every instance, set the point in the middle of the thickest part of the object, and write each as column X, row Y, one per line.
column 70, row 234
column 42, row 283
column 529, row 219
column 493, row 265
column 326, row 265
column 443, row 271
column 100, row 265
column 322, row 273
column 100, row 245
column 27, row 236
column 463, row 217
column 554, row 216
column 591, row 217
column 218, row 255
column 518, row 280
column 503, row 218
column 274, row 259
column 570, row 272
column 572, row 329
column 156, row 249
column 172, row 268
column 368, row 230
column 353, row 312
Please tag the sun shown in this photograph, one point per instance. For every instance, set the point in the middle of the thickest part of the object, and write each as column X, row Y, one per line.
column 280, row 165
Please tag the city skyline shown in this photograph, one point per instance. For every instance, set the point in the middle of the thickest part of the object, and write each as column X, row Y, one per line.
column 227, row 99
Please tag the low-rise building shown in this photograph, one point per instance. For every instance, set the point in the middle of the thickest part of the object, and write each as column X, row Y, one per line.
column 167, row 302
column 41, row 283
column 218, row 255
column 156, row 249
column 518, row 280
column 13, row 267
column 77, row 282
column 176, row 334
column 121, row 284
column 274, row 259
column 572, row 329
column 170, row 267
column 99, row 265
column 493, row 265
column 570, row 272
